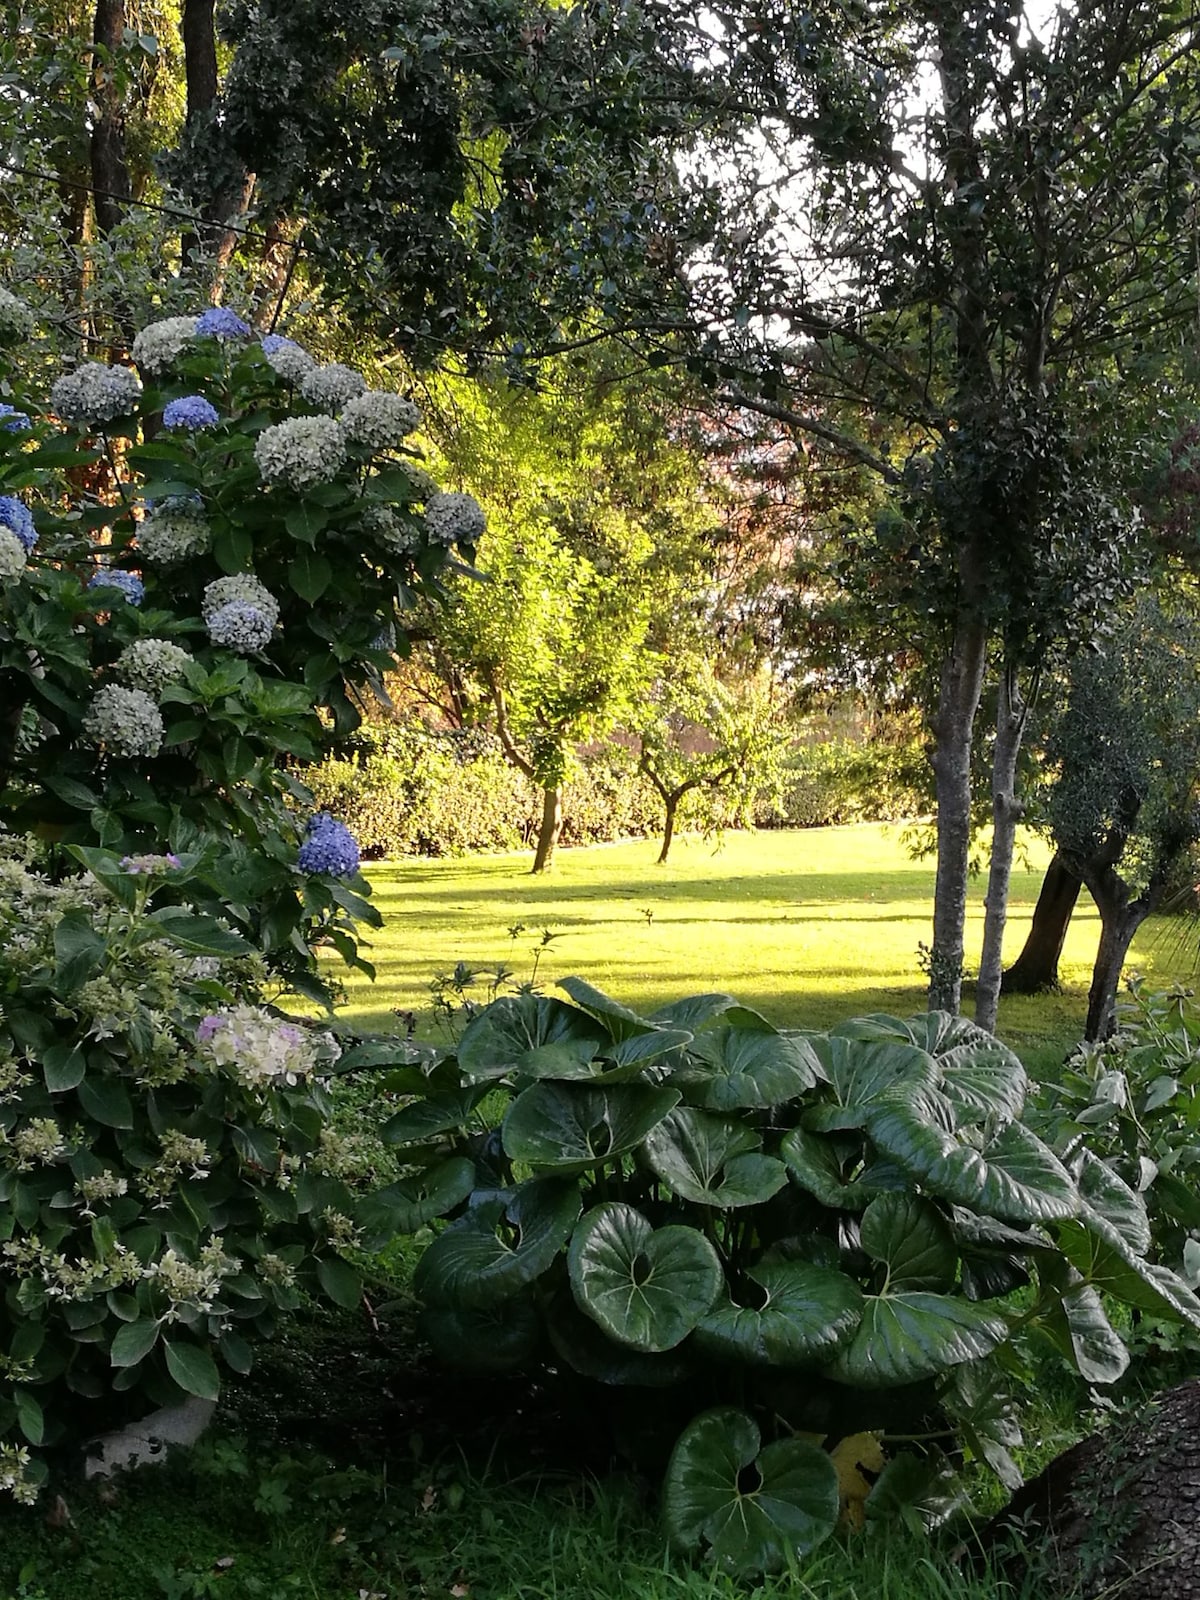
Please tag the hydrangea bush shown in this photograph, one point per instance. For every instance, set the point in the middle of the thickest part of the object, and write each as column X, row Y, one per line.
column 169, row 1181
column 205, row 567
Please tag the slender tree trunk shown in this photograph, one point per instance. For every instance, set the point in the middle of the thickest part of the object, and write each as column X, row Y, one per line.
column 548, row 832
column 227, row 201
column 672, row 803
column 1036, row 969
column 1006, row 813
column 110, row 168
column 962, row 685
column 1118, row 924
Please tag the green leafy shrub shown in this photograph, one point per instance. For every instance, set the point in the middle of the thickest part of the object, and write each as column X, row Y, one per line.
column 841, row 780
column 169, row 1179
column 828, row 1235
column 411, row 790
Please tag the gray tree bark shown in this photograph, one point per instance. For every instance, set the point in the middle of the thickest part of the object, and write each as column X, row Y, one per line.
column 1006, row 813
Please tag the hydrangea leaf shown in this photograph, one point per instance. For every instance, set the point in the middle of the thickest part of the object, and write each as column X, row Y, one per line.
column 912, row 1239
column 499, row 1247
column 799, row 1313
column 712, row 1161
column 645, row 1287
column 569, row 1127
column 905, row 1337
column 731, row 1068
column 756, row 1509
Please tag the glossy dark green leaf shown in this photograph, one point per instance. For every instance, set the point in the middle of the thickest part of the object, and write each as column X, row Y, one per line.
column 645, row 1287
column 502, row 1038
column 133, row 1341
column 1100, row 1253
column 787, row 1314
column 1082, row 1331
column 588, row 1350
column 712, row 1161
column 1108, row 1193
column 78, row 949
column 409, row 1204
column 493, row 1338
column 814, row 1161
column 912, row 1239
column 340, row 1281
column 106, row 1100
column 1023, row 1180
column 905, row 1337
column 755, row 1509
column 193, row 1369
column 729, row 1068
column 618, row 1021
column 914, row 1125
column 426, row 1119
column 859, row 1074
column 693, row 1012
column 499, row 1247
column 63, row 1066
column 569, row 1127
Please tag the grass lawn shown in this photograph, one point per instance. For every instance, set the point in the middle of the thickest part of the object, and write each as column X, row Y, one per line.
column 809, row 926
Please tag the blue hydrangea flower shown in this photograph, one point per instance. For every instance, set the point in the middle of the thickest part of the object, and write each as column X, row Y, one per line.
column 130, row 585
column 192, row 411
column 16, row 515
column 329, row 848
column 12, row 420
column 222, row 323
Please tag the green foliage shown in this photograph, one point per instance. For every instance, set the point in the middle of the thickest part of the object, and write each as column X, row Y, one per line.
column 169, row 1180
column 824, row 1231
column 841, row 780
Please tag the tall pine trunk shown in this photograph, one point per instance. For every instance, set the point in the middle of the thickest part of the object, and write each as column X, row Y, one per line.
column 1036, row 969
column 549, row 830
column 1006, row 813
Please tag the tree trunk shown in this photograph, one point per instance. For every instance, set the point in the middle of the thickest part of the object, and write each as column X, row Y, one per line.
column 110, row 169
column 1119, row 921
column 548, row 832
column 1006, row 813
column 961, row 686
column 227, row 201
column 672, row 804
column 1115, row 1515
column 1036, row 969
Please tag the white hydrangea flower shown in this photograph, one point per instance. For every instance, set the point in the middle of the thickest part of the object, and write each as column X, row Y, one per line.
column 126, row 722
column 255, row 1046
column 379, row 419
column 242, row 586
column 12, row 555
column 240, row 626
column 454, row 519
column 160, row 344
column 173, row 533
column 392, row 531
column 301, row 451
column 16, row 319
column 94, row 393
column 332, row 386
column 151, row 664
column 290, row 360
column 423, row 482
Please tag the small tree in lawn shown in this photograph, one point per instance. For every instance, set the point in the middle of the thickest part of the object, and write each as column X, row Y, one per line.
column 1123, row 808
column 708, row 746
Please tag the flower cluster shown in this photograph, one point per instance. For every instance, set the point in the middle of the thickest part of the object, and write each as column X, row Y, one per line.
column 290, row 360
column 16, row 319
column 125, row 722
column 191, row 412
column 219, row 322
column 258, row 1048
column 146, row 865
column 380, row 420
column 454, row 518
column 175, row 530
column 332, row 386
column 38, row 1142
column 151, row 664
column 12, row 555
column 105, row 1185
column 127, row 584
column 240, row 626
column 181, row 1152
column 160, row 344
column 195, row 1284
column 401, row 537
column 95, row 394
column 329, row 848
column 12, row 420
column 17, row 517
column 301, row 452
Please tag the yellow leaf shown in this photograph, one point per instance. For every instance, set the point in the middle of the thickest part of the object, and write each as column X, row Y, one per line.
column 855, row 1456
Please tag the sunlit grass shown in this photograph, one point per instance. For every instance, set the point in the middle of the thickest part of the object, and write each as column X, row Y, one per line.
column 809, row 926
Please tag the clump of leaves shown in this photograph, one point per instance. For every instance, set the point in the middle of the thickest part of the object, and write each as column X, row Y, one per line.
column 821, row 1235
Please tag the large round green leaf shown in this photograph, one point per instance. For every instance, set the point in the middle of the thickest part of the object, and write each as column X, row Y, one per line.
column 405, row 1206
column 569, row 1127
column 1102, row 1255
column 645, row 1288
column 1023, row 1180
column 428, row 1119
column 488, row 1338
column 914, row 1123
column 1085, row 1336
column 799, row 1314
column 912, row 1239
column 1108, row 1193
column 619, row 1021
column 980, row 1076
column 755, row 1509
column 713, row 1161
column 860, row 1073
column 903, row 1338
column 817, row 1163
column 499, row 1247
column 693, row 1012
column 628, row 1057
column 530, row 1035
column 731, row 1068
column 588, row 1350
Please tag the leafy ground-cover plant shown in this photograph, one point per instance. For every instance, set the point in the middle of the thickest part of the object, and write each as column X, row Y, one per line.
column 169, row 1176
column 205, row 564
column 835, row 1246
